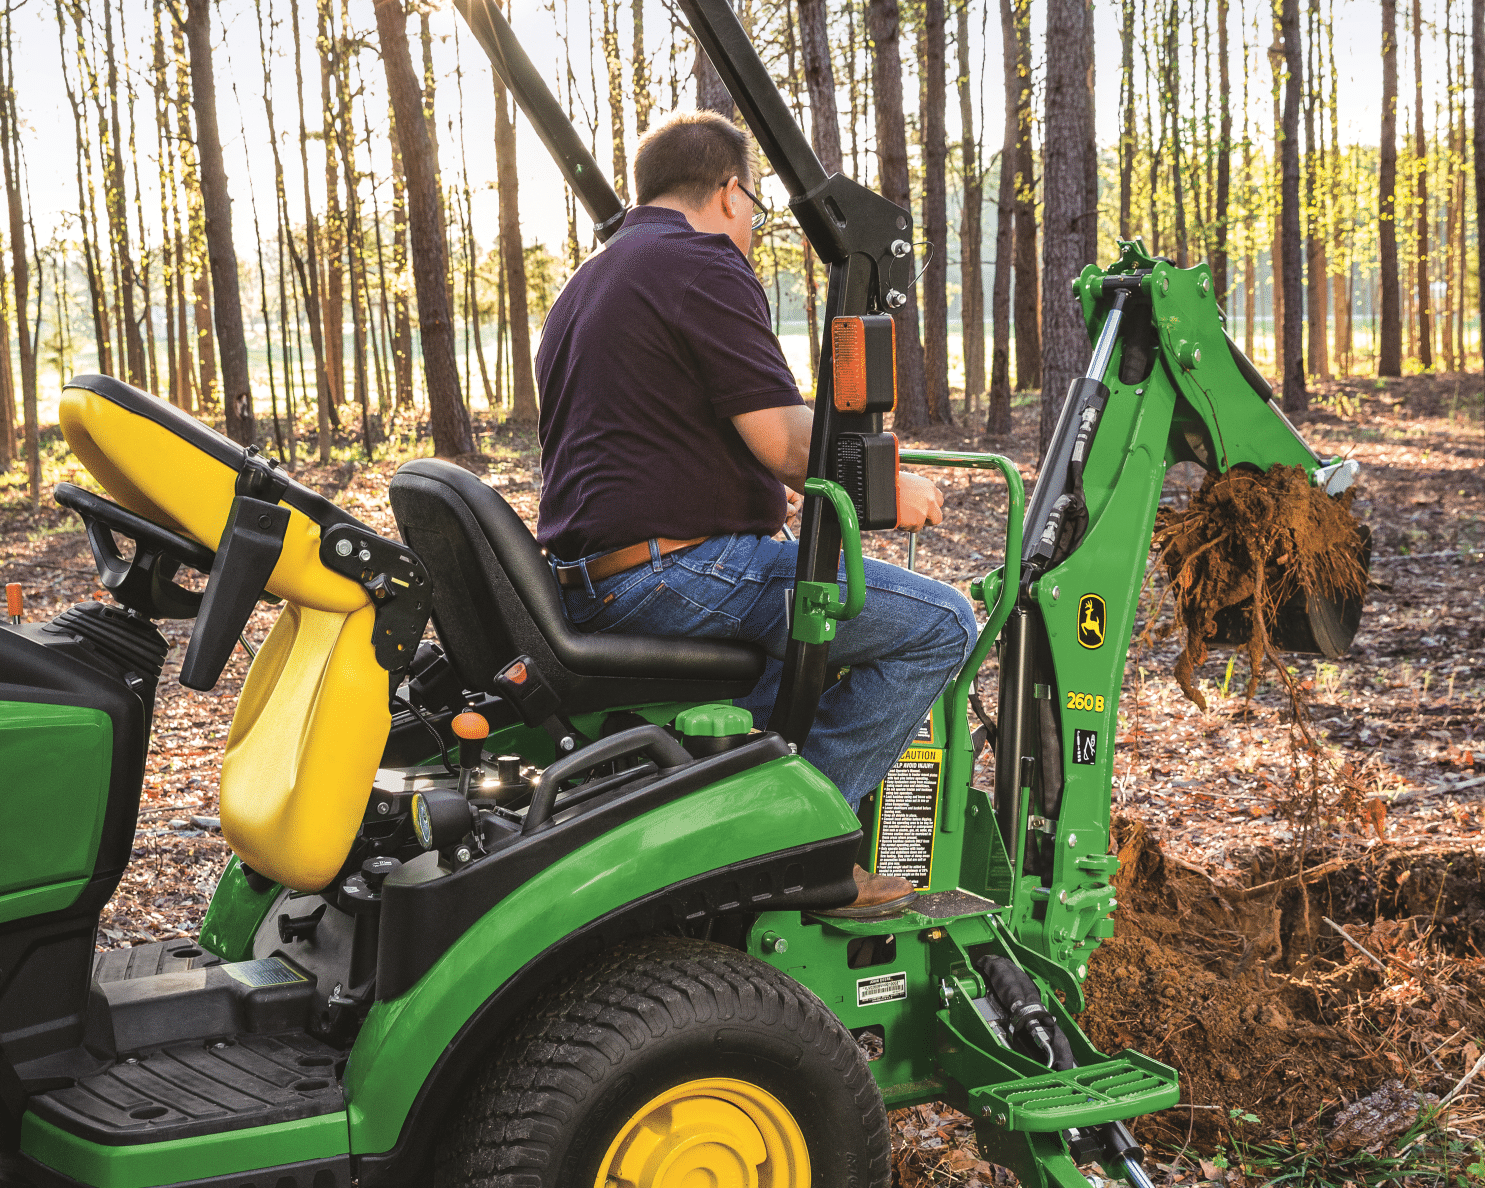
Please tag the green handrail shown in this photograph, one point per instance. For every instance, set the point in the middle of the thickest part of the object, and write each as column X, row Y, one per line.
column 850, row 541
column 998, row 591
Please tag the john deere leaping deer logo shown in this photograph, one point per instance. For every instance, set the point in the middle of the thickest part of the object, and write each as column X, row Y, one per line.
column 1091, row 618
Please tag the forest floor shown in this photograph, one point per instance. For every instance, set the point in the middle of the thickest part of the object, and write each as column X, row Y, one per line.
column 1287, row 969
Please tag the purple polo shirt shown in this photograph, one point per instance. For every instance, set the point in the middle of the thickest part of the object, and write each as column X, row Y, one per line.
column 656, row 341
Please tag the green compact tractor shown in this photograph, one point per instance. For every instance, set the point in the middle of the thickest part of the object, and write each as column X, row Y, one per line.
column 524, row 906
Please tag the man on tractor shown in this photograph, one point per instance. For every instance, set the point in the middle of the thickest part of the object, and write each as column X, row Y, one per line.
column 670, row 426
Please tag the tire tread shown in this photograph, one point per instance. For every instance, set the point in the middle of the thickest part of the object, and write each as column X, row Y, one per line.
column 513, row 1118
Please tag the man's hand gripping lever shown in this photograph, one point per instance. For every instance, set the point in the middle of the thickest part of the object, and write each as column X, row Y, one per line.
column 1034, row 1026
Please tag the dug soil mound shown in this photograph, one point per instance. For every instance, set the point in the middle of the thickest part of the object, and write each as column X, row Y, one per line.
column 1253, row 994
column 1245, row 545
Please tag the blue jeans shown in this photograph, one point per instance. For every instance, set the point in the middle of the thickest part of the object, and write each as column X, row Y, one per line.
column 902, row 649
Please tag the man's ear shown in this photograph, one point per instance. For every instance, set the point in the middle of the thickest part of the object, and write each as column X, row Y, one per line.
column 729, row 196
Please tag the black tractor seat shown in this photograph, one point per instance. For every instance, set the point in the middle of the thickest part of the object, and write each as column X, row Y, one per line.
column 494, row 598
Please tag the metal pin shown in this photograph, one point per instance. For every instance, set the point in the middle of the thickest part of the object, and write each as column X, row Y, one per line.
column 912, row 563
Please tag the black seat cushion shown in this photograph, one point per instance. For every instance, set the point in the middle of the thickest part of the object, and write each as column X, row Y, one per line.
column 494, row 598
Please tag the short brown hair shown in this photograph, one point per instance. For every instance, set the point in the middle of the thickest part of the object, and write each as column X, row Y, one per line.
column 689, row 154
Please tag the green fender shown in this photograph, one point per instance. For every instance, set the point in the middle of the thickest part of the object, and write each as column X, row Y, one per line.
column 782, row 804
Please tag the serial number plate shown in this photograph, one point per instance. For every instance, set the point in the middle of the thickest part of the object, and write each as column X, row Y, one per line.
column 883, row 988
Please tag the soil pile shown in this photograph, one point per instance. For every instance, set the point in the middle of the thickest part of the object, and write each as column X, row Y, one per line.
column 1255, row 997
column 1249, row 538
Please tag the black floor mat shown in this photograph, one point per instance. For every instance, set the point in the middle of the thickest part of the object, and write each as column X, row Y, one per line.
column 200, row 1088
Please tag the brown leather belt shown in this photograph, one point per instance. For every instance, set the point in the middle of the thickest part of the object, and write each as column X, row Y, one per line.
column 571, row 573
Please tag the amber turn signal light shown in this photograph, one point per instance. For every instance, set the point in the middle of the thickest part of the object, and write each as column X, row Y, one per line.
column 864, row 363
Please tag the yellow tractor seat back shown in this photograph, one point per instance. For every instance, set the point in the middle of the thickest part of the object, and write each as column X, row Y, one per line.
column 313, row 718
column 304, row 746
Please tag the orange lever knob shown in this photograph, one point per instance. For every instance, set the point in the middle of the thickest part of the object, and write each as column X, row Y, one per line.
column 470, row 726
column 13, row 601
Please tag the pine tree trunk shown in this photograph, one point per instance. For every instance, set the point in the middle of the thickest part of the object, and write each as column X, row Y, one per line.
column 1296, row 398
column 8, row 410
column 883, row 26
column 1224, row 158
column 116, row 202
column 308, row 266
column 640, row 67
column 165, row 155
column 1172, row 96
column 450, row 419
column 1127, row 117
column 1451, row 208
column 10, row 154
column 283, row 227
column 7, row 383
column 195, row 249
column 615, row 64
column 1067, row 139
column 1250, row 295
column 402, row 318
column 1389, row 346
column 935, row 216
column 1341, row 259
column 971, row 273
column 332, row 288
column 998, row 421
column 83, row 159
column 1315, row 262
column 711, row 94
column 1027, row 287
column 819, row 76
column 355, row 257
column 811, row 286
column 1420, row 141
column 237, row 395
column 1477, row 88
column 523, row 386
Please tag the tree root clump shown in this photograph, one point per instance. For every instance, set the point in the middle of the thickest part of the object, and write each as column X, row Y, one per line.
column 1250, row 538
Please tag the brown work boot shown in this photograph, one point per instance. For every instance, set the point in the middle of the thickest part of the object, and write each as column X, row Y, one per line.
column 876, row 895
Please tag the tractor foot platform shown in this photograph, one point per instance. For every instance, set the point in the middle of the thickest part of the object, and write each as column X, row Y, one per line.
column 199, row 1088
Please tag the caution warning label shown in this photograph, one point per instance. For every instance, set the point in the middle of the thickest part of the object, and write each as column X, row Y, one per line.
column 907, row 811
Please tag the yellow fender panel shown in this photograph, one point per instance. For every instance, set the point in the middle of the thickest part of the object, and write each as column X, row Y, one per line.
column 304, row 746
column 158, row 474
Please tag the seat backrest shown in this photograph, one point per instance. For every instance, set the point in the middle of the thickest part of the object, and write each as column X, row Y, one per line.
column 494, row 598
column 313, row 718
column 309, row 730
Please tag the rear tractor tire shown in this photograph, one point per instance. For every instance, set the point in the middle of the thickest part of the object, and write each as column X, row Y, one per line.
column 668, row 1064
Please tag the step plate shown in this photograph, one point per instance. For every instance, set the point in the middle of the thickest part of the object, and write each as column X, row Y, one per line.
column 200, row 1088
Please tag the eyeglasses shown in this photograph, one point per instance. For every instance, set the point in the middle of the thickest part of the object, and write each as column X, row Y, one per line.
column 761, row 216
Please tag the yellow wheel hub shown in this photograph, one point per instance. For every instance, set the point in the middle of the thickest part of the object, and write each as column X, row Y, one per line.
column 709, row 1133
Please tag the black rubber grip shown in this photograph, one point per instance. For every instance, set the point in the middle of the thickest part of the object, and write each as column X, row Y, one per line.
column 250, row 548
